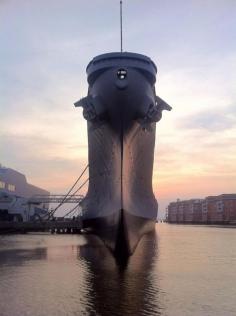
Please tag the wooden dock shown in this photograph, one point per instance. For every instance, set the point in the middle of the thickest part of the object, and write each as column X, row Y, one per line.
column 60, row 227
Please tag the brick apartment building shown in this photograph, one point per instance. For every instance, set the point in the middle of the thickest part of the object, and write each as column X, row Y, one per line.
column 185, row 211
column 219, row 209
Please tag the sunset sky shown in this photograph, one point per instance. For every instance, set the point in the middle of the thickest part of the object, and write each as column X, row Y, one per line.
column 45, row 47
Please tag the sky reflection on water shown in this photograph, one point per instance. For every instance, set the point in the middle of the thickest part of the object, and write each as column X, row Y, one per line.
column 177, row 270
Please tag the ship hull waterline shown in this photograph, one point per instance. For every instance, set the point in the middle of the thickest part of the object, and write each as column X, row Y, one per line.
column 120, row 231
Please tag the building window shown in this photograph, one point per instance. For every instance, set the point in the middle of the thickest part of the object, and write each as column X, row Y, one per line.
column 219, row 206
column 11, row 187
column 204, row 207
column 2, row 185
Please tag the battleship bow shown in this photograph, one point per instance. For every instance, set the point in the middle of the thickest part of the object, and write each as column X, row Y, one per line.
column 121, row 110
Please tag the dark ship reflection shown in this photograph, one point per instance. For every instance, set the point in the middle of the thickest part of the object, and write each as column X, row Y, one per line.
column 119, row 289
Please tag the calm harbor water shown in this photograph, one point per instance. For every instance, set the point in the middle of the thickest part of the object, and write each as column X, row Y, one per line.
column 176, row 271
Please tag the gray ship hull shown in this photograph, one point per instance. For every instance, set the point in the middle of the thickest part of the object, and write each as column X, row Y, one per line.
column 120, row 231
column 122, row 110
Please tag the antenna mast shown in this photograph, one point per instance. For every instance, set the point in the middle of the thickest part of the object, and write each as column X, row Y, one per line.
column 121, row 27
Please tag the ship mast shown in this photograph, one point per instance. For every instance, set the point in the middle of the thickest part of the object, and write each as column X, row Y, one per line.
column 121, row 27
